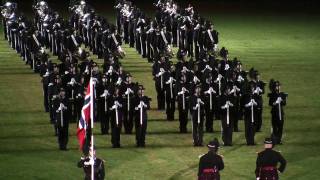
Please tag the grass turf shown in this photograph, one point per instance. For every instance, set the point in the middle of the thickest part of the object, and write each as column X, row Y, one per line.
column 285, row 47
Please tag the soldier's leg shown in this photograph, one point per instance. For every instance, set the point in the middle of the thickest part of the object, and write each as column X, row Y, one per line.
column 201, row 131
column 138, row 131
column 280, row 130
column 60, row 138
column 113, row 133
column 143, row 134
column 172, row 108
column 252, row 133
column 118, row 131
column 247, row 130
column 209, row 120
column 66, row 137
column 195, row 130
column 45, row 98
column 103, row 123
column 126, row 120
column 258, row 120
column 274, row 128
column 130, row 123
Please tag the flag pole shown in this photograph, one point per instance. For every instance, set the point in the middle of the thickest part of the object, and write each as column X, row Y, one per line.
column 91, row 117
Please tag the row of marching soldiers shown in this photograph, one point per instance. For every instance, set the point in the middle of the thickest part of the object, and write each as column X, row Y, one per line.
column 208, row 88
column 172, row 26
column 213, row 89
column 119, row 100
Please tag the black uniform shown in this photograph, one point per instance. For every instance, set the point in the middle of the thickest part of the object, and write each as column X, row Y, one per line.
column 103, row 106
column 197, row 115
column 141, row 121
column 170, row 94
column 277, row 114
column 227, row 118
column 250, row 116
column 209, row 166
column 128, row 110
column 266, row 165
column 61, row 107
column 99, row 172
column 183, row 105
column 116, row 126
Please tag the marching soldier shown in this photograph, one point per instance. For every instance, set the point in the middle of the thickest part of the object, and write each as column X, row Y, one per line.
column 211, row 163
column 142, row 104
column 61, row 107
column 250, row 114
column 104, row 104
column 197, row 115
column 170, row 93
column 210, row 99
column 227, row 115
column 130, row 89
column 87, row 162
column 159, row 68
column 53, row 91
column 277, row 100
column 116, row 117
column 259, row 91
column 267, row 161
column 183, row 103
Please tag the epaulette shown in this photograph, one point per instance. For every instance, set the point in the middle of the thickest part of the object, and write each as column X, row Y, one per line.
column 201, row 155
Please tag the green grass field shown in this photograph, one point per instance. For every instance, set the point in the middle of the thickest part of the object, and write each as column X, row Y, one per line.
column 284, row 47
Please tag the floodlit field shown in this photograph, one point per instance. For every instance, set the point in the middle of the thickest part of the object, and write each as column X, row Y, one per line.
column 284, row 47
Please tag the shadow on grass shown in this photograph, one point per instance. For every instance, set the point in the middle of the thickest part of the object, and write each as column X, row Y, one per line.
column 183, row 171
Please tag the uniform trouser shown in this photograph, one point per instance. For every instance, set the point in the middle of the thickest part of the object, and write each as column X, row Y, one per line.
column 258, row 121
column 277, row 128
column 160, row 97
column 132, row 38
column 197, row 130
column 170, row 107
column 249, row 131
column 128, row 121
column 73, row 112
column 104, row 121
column 190, row 48
column 197, row 52
column 227, row 130
column 143, row 45
column 119, row 23
column 115, row 131
column 236, row 119
column 137, row 43
column 45, row 98
column 63, row 137
column 78, row 108
column 140, row 131
column 4, row 29
column 126, row 31
column 149, row 52
column 183, row 119
column 209, row 119
column 51, row 112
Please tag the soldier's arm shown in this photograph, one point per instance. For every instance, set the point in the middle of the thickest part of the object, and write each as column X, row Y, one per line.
column 101, row 170
column 258, row 165
column 221, row 164
column 81, row 163
column 283, row 163
column 200, row 167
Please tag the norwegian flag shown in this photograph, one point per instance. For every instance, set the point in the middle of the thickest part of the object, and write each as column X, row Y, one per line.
column 86, row 115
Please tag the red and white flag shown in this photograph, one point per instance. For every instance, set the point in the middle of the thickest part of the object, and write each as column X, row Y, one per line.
column 86, row 115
